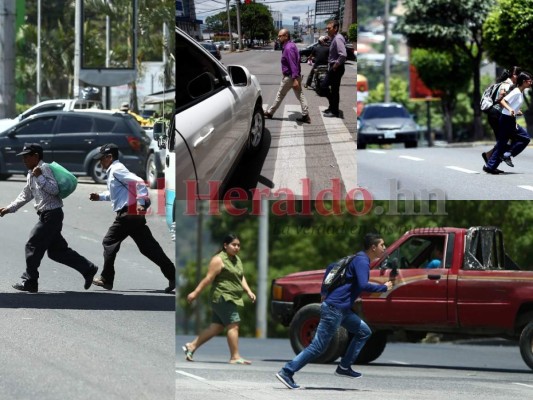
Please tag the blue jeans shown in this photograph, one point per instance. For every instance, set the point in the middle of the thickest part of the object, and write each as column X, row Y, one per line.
column 330, row 320
column 508, row 130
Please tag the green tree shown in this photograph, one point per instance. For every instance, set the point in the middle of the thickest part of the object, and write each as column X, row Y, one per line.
column 352, row 33
column 450, row 24
column 256, row 21
column 443, row 71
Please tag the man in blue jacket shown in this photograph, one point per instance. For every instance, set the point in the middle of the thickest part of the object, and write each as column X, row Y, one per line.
column 336, row 310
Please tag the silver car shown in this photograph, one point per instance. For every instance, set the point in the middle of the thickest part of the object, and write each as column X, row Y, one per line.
column 384, row 123
column 219, row 117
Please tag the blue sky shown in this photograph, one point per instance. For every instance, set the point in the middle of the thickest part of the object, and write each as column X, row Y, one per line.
column 288, row 8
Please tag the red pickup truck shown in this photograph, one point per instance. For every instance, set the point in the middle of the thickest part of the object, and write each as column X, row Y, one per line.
column 446, row 280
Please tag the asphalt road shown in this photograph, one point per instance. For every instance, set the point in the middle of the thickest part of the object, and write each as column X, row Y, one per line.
column 68, row 343
column 321, row 151
column 479, row 370
column 451, row 173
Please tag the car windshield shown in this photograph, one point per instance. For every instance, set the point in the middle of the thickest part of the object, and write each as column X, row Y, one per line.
column 208, row 46
column 385, row 112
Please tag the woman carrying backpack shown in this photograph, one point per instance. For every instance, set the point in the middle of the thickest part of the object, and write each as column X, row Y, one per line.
column 507, row 79
column 508, row 128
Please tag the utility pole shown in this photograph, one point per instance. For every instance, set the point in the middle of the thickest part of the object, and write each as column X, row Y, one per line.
column 238, row 7
column 262, row 276
column 229, row 28
column 387, row 55
column 77, row 49
column 7, row 55
column 38, row 89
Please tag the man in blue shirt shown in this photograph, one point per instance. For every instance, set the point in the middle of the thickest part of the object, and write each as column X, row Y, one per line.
column 336, row 310
column 129, row 198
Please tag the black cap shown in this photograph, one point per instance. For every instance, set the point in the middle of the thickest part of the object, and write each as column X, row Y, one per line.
column 31, row 148
column 110, row 148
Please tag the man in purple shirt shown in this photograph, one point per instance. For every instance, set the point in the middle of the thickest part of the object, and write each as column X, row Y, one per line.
column 337, row 57
column 292, row 78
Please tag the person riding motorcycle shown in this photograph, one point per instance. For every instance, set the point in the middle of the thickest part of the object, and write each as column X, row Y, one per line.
column 320, row 57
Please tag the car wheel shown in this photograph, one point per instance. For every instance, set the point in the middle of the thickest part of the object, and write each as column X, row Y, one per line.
column 303, row 58
column 151, row 172
column 255, row 136
column 410, row 144
column 373, row 348
column 526, row 344
column 97, row 173
column 361, row 146
column 302, row 331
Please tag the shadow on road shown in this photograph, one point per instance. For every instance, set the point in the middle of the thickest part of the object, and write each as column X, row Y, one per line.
column 248, row 173
column 115, row 300
column 448, row 367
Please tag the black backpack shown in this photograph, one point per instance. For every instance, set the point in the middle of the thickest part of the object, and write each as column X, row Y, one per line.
column 337, row 274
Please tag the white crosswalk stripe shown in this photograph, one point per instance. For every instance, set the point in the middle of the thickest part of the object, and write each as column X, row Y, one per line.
column 460, row 169
column 290, row 165
column 343, row 146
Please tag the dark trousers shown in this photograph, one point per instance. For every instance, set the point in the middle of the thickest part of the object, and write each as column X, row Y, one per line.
column 134, row 226
column 333, row 80
column 507, row 130
column 46, row 237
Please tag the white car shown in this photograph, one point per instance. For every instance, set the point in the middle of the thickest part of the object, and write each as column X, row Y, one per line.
column 51, row 105
column 218, row 118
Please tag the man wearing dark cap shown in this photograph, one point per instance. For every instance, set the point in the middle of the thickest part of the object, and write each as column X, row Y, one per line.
column 46, row 235
column 129, row 198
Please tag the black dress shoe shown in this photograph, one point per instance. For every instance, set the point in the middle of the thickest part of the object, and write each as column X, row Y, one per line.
column 102, row 283
column 171, row 286
column 27, row 286
column 89, row 277
column 330, row 114
column 485, row 158
column 490, row 171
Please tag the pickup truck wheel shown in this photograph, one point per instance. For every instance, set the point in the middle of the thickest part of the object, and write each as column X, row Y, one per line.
column 302, row 330
column 373, row 348
column 526, row 344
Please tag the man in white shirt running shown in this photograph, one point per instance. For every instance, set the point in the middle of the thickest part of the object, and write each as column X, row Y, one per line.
column 129, row 198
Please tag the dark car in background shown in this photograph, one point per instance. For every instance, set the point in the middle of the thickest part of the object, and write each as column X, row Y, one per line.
column 306, row 52
column 72, row 138
column 386, row 123
column 213, row 49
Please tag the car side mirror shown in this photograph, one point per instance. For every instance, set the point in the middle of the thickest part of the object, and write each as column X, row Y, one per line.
column 239, row 76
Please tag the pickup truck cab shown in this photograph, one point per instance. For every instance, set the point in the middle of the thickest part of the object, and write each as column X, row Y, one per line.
column 476, row 290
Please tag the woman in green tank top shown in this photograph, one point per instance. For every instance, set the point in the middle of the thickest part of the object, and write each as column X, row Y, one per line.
column 226, row 277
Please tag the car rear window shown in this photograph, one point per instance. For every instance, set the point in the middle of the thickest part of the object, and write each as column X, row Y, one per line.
column 75, row 124
column 104, row 124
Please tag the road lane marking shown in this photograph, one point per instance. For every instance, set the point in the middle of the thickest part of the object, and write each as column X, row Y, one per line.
column 522, row 384
column 527, row 187
column 198, row 378
column 411, row 158
column 399, row 362
column 290, row 167
column 466, row 171
column 343, row 147
column 377, row 151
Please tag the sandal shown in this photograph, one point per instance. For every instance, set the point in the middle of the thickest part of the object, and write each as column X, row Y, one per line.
column 188, row 353
column 240, row 361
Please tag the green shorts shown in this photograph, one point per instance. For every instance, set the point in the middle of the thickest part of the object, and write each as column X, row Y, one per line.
column 225, row 313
